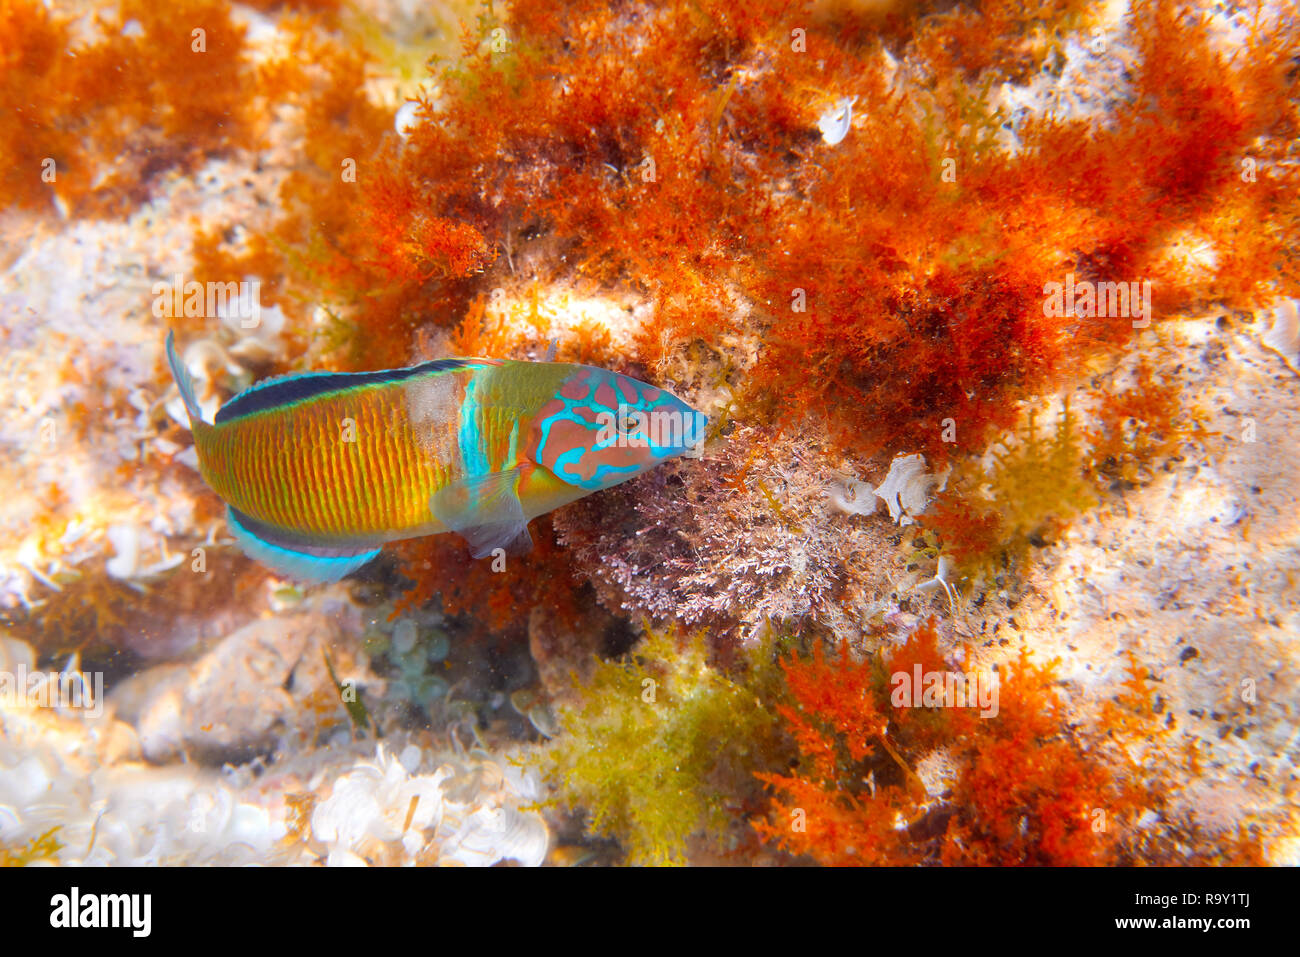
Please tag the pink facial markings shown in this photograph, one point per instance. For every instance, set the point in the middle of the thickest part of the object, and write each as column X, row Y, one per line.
column 605, row 396
column 575, row 434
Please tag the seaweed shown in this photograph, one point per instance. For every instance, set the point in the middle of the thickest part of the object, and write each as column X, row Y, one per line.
column 1020, row 786
column 87, row 126
column 660, row 748
column 1023, row 494
column 1138, row 428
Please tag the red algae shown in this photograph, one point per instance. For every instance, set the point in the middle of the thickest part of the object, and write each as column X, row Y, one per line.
column 1017, row 783
column 897, row 277
column 88, row 125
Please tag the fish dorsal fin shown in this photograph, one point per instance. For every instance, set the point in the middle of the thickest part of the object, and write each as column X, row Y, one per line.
column 485, row 511
column 184, row 382
column 287, row 389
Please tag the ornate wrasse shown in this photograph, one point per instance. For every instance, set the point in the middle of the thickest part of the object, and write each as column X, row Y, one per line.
column 319, row 469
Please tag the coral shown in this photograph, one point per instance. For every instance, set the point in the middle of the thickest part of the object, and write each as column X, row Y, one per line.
column 660, row 749
column 470, row 813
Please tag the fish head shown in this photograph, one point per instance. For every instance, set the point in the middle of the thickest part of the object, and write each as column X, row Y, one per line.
column 602, row 428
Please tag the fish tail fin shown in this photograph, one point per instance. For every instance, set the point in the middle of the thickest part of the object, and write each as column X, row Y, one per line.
column 183, row 381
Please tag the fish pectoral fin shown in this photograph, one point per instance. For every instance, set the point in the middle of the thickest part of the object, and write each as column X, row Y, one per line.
column 296, row 559
column 486, row 512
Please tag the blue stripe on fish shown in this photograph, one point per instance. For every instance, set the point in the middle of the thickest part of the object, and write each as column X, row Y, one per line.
column 469, row 434
column 308, row 562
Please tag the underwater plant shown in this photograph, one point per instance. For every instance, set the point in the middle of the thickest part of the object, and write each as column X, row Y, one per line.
column 846, row 235
column 1138, row 428
column 87, row 126
column 913, row 779
column 660, row 749
column 1026, row 494
column 890, row 287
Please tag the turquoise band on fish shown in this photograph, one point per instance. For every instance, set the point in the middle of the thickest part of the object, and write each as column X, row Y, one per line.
column 319, row 470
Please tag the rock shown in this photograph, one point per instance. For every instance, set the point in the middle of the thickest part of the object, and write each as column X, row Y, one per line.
column 231, row 704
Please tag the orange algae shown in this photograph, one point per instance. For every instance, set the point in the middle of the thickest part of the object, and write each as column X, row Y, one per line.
column 891, row 283
column 87, row 125
column 674, row 149
column 492, row 598
column 1024, row 786
column 1138, row 428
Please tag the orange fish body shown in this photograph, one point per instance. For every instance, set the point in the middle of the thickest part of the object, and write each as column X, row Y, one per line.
column 320, row 469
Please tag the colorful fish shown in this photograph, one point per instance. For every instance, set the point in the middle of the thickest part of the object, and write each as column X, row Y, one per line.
column 319, row 469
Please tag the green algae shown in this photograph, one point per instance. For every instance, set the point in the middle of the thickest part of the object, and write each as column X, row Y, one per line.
column 1025, row 494
column 662, row 747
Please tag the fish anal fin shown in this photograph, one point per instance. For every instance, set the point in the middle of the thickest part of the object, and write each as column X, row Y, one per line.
column 295, row 559
column 485, row 511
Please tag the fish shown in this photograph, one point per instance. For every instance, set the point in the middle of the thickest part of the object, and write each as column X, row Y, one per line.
column 319, row 470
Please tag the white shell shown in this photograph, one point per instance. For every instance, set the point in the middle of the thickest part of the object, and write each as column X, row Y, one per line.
column 405, row 121
column 836, row 121
column 1283, row 332
column 906, row 489
column 853, row 497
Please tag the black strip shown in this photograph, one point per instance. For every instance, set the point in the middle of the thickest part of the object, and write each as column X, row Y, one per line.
column 277, row 392
column 296, row 542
